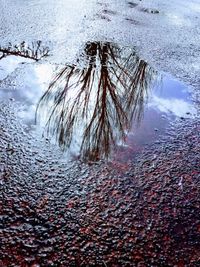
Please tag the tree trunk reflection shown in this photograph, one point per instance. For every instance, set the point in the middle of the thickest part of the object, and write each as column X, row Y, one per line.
column 99, row 102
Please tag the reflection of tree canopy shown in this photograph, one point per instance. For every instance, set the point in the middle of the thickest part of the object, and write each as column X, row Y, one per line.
column 99, row 101
column 34, row 51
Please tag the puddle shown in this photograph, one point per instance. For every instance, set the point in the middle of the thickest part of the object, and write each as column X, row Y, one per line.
column 110, row 104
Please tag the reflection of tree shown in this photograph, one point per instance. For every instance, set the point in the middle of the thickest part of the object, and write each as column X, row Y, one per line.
column 98, row 101
column 34, row 51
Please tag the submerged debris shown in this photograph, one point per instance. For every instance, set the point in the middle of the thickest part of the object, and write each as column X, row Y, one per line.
column 150, row 11
column 132, row 4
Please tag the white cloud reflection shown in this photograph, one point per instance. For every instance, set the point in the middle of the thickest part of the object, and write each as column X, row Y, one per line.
column 175, row 106
column 9, row 64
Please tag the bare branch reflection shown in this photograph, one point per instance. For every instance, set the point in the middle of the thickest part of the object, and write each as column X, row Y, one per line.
column 34, row 51
column 94, row 106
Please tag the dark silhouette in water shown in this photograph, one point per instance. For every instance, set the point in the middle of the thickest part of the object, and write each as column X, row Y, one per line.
column 98, row 101
column 34, row 51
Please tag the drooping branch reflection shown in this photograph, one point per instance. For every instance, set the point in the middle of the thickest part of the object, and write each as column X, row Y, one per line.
column 93, row 107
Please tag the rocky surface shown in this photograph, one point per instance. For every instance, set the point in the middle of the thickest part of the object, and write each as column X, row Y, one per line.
column 144, row 213
column 141, row 213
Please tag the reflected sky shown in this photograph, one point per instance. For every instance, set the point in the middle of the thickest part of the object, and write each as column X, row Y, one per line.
column 30, row 82
column 172, row 97
column 9, row 64
column 110, row 99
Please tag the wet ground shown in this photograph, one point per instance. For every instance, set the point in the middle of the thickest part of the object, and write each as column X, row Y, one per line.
column 99, row 139
column 143, row 213
column 110, row 102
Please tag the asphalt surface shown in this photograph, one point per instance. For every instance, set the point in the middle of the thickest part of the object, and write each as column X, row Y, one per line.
column 144, row 212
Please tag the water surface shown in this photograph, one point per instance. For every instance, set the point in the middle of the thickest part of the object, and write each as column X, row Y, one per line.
column 110, row 104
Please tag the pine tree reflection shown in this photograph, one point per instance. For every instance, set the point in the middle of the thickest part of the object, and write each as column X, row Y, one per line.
column 99, row 101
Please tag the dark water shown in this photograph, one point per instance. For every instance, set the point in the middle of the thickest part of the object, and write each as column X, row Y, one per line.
column 110, row 104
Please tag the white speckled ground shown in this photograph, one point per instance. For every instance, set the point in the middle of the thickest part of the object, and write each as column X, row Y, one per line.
column 56, row 213
column 169, row 40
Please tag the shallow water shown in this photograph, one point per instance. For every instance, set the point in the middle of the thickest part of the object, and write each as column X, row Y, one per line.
column 110, row 104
